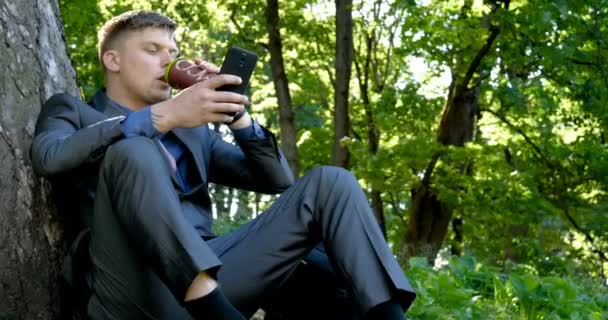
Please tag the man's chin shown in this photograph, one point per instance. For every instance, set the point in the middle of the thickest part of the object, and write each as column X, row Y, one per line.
column 160, row 96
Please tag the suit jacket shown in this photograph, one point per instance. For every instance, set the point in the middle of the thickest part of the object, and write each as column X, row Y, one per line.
column 71, row 138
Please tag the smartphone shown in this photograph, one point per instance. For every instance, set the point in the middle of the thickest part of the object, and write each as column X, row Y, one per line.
column 238, row 62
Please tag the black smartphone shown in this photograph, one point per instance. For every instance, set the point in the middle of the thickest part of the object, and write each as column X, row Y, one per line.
column 238, row 62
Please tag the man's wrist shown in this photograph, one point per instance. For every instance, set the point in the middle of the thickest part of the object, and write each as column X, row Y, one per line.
column 161, row 117
column 243, row 121
column 139, row 123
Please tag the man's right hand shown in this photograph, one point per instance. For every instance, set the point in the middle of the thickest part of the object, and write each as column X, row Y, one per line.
column 199, row 104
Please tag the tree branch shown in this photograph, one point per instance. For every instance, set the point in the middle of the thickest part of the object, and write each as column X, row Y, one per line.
column 369, row 40
column 551, row 166
column 587, row 235
column 326, row 67
column 381, row 79
column 483, row 51
column 537, row 150
column 582, row 62
column 478, row 58
column 356, row 135
column 395, row 204
column 598, row 42
column 431, row 167
column 242, row 33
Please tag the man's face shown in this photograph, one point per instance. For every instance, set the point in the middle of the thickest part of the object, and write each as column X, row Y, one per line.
column 142, row 58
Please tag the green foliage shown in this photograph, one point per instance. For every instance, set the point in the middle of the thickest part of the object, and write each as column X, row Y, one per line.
column 467, row 289
column 81, row 20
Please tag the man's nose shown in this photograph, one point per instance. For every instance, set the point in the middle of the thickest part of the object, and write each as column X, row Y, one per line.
column 166, row 58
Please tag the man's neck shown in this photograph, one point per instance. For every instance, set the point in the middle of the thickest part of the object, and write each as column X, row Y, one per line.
column 119, row 95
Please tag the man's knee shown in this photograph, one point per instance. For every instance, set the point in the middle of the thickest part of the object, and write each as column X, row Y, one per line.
column 332, row 175
column 137, row 152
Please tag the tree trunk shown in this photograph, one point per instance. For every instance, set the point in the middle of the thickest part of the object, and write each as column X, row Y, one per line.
column 373, row 134
column 428, row 224
column 457, row 228
column 33, row 53
column 344, row 59
column 430, row 218
column 281, row 85
column 378, row 207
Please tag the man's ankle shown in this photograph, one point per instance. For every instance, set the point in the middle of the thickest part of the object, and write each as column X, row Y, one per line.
column 213, row 306
column 201, row 286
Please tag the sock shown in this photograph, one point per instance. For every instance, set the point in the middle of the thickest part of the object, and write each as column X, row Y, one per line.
column 389, row 310
column 214, row 306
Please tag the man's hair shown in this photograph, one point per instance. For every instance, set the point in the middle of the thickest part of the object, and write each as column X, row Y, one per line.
column 130, row 21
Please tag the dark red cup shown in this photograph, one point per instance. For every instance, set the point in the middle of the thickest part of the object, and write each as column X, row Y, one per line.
column 182, row 73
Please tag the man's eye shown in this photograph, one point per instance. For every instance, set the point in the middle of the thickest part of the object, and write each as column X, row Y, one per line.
column 151, row 50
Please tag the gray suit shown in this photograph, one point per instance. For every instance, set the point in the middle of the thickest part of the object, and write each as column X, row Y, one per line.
column 150, row 238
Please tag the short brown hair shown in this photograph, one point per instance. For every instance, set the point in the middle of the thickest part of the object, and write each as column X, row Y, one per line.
column 130, row 21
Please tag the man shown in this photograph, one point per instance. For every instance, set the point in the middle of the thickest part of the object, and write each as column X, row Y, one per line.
column 138, row 161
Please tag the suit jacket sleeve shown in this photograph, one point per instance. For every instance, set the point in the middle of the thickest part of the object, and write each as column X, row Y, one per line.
column 70, row 133
column 258, row 165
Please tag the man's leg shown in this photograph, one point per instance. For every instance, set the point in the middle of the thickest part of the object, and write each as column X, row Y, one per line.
column 325, row 205
column 145, row 253
column 314, row 281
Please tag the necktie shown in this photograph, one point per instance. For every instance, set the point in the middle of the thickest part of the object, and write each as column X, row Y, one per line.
column 170, row 158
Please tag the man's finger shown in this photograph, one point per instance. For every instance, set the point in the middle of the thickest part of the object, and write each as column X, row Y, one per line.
column 211, row 67
column 206, row 65
column 220, row 117
column 220, row 80
column 228, row 108
column 227, row 96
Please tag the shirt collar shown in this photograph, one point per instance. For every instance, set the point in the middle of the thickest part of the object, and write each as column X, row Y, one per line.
column 105, row 104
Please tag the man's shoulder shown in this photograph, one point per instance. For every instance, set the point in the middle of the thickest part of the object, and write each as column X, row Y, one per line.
column 71, row 108
column 64, row 97
column 64, row 100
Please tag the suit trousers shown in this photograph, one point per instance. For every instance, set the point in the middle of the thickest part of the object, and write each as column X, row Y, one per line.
column 312, row 291
column 145, row 253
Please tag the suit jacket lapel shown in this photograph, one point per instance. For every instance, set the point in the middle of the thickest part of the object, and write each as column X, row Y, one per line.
column 193, row 142
column 166, row 153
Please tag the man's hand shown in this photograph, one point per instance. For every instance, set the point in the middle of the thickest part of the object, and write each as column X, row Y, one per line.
column 199, row 104
column 210, row 67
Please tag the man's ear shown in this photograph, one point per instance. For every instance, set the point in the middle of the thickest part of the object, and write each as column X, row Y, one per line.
column 111, row 60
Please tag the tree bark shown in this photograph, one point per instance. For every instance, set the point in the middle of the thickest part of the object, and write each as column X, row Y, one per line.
column 33, row 53
column 430, row 217
column 343, row 64
column 281, row 85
